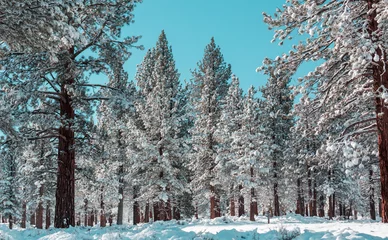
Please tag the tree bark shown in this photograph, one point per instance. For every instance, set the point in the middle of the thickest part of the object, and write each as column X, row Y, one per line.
column 39, row 210
column 372, row 205
column 10, row 222
column 309, row 183
column 232, row 207
column 120, row 207
column 147, row 213
column 215, row 210
column 252, row 206
column 300, row 201
column 380, row 79
column 86, row 213
column 24, row 215
column 321, row 210
column 32, row 218
column 136, row 213
column 241, row 210
column 48, row 215
column 64, row 207
column 275, row 192
column 314, row 211
column 102, row 211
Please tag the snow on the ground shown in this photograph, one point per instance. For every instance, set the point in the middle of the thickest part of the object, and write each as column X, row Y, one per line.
column 286, row 227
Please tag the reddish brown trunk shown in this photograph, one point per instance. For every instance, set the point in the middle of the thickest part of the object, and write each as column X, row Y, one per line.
column 48, row 215
column 214, row 204
column 64, row 207
column 168, row 210
column 232, row 207
column 24, row 215
column 380, row 77
column 136, row 213
column 90, row 221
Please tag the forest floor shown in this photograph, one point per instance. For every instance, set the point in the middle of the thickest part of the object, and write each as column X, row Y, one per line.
column 224, row 228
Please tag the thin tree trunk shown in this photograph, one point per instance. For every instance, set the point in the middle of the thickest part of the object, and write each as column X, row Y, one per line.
column 379, row 207
column 39, row 210
column 241, row 210
column 48, row 215
column 214, row 207
column 333, row 208
column 32, row 218
column 136, row 213
column 232, row 207
column 64, row 207
column 330, row 212
column 120, row 207
column 24, row 215
column 321, row 210
column 10, row 222
column 314, row 211
column 309, row 183
column 252, row 206
column 102, row 211
column 300, row 201
column 275, row 192
column 380, row 77
column 340, row 209
column 86, row 213
column 147, row 213
column 372, row 205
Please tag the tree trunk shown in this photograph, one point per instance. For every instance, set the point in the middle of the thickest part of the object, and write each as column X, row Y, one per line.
column 321, row 210
column 241, row 210
column 340, row 209
column 232, row 207
column 10, row 222
column 24, row 215
column 110, row 219
column 330, row 212
column 64, row 207
column 147, row 213
column 380, row 207
column 120, row 207
column 380, row 77
column 102, row 211
column 176, row 213
column 86, row 213
column 300, row 201
column 39, row 210
column 48, row 215
column 275, row 192
column 252, row 206
column 136, row 213
column 215, row 210
column 32, row 218
column 372, row 206
column 314, row 211
column 333, row 208
column 309, row 183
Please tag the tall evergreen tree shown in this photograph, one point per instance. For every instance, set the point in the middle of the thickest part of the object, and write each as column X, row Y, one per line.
column 210, row 88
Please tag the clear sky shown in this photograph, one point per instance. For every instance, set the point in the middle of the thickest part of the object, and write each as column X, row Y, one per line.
column 237, row 27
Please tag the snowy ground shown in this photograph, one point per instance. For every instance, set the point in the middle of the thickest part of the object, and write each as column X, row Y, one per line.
column 220, row 228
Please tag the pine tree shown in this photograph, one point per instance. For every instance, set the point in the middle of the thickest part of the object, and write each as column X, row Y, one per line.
column 210, row 88
column 277, row 124
column 352, row 45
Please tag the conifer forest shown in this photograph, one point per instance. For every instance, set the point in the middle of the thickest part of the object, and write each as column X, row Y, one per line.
column 136, row 150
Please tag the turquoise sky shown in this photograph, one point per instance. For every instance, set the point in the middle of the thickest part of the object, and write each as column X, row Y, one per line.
column 237, row 27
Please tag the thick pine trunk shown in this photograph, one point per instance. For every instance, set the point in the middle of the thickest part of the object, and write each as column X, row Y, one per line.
column 136, row 213
column 380, row 207
column 275, row 192
column 48, row 215
column 64, row 207
column 380, row 77
column 120, row 207
column 24, row 215
column 241, row 210
column 330, row 211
